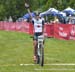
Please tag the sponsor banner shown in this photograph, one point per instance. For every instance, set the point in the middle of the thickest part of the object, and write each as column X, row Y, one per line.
column 1, row 25
column 72, row 32
column 66, row 32
column 25, row 27
column 49, row 30
column 60, row 31
column 21, row 27
column 31, row 29
column 12, row 26
column 6, row 26
column 18, row 26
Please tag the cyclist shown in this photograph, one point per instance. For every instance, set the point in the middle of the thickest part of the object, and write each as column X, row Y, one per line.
column 38, row 24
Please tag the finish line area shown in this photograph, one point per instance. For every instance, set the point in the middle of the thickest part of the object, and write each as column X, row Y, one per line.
column 52, row 64
column 46, row 69
column 56, row 64
column 53, row 69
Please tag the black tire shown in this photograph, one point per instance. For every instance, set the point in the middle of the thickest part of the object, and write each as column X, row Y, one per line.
column 38, row 59
column 42, row 55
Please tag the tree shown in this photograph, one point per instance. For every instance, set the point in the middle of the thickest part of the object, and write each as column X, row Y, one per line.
column 16, row 8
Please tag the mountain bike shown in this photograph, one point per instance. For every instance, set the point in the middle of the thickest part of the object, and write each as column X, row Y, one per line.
column 40, row 45
column 40, row 50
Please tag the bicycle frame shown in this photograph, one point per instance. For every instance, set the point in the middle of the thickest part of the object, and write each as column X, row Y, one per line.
column 40, row 42
column 40, row 50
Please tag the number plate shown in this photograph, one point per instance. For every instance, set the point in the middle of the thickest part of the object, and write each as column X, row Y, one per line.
column 41, row 38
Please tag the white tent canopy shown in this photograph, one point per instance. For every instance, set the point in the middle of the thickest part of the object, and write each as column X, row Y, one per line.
column 62, row 13
column 49, row 11
column 69, row 9
column 53, row 11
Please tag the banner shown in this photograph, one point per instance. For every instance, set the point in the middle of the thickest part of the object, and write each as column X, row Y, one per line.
column 1, row 25
column 18, row 26
column 25, row 27
column 49, row 30
column 31, row 29
column 72, row 32
column 6, row 26
column 66, row 32
column 12, row 26
column 60, row 31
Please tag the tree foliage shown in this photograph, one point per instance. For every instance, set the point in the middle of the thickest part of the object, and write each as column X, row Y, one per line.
column 16, row 8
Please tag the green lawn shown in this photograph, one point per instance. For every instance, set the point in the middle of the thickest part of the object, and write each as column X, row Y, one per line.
column 17, row 48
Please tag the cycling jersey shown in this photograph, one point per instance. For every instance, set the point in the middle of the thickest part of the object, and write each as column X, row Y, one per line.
column 38, row 25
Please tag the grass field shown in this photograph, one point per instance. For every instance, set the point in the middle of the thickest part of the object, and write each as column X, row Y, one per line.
column 16, row 54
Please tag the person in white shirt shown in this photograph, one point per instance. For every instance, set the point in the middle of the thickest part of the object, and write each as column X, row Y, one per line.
column 38, row 24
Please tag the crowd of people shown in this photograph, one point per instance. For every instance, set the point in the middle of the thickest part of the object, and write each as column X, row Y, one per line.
column 70, row 19
column 63, row 20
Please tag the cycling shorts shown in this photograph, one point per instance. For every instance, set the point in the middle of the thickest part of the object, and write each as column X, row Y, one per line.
column 36, row 35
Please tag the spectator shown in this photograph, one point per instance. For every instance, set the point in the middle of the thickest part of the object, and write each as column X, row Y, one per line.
column 62, row 19
column 56, row 20
column 72, row 20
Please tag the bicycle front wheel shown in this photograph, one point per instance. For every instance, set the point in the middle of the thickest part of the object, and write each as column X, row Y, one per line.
column 41, row 55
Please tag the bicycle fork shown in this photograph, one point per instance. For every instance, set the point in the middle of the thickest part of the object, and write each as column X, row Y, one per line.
column 39, row 48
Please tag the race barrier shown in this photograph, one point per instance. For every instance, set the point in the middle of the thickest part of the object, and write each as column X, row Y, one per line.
column 15, row 26
column 66, row 32
column 60, row 31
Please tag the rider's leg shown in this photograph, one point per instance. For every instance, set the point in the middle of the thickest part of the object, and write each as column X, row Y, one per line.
column 35, row 50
